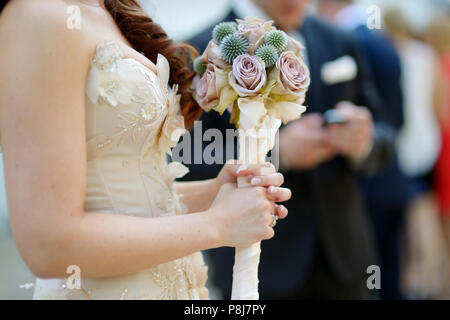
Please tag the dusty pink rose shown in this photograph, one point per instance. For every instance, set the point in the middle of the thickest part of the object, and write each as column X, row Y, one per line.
column 248, row 75
column 293, row 75
column 295, row 46
column 254, row 30
column 206, row 91
column 213, row 55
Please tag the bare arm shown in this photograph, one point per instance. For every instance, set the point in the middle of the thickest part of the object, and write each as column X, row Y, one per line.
column 197, row 195
column 42, row 120
column 44, row 66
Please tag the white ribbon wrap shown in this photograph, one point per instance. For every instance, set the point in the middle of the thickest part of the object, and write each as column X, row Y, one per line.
column 254, row 144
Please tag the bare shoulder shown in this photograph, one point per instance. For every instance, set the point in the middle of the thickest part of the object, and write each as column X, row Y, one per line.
column 43, row 28
column 39, row 51
column 37, row 15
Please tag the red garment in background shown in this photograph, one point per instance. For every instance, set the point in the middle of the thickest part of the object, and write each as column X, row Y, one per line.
column 442, row 172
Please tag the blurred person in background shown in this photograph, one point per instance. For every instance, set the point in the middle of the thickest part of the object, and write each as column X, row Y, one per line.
column 418, row 145
column 439, row 38
column 325, row 250
column 388, row 193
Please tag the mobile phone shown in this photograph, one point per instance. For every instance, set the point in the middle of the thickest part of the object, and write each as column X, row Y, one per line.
column 332, row 117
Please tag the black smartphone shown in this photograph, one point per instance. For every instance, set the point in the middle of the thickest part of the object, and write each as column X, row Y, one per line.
column 332, row 117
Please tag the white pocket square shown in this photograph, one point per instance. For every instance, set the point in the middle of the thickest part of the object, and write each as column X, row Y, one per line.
column 339, row 70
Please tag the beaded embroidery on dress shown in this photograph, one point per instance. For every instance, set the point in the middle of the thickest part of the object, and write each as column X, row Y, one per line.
column 132, row 121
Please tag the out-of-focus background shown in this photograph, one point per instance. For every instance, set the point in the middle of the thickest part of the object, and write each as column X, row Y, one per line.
column 183, row 19
column 422, row 271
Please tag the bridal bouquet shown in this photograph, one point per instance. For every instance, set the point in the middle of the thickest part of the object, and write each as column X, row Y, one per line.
column 256, row 72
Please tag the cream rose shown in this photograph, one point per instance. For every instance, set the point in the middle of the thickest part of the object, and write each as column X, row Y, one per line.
column 248, row 75
column 254, row 30
column 295, row 46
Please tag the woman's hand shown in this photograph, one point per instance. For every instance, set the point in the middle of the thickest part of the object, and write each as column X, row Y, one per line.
column 242, row 216
column 263, row 175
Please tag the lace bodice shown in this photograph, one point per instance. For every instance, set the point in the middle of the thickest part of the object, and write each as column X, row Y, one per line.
column 132, row 121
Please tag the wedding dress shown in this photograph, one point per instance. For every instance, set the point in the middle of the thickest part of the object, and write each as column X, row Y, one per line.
column 132, row 121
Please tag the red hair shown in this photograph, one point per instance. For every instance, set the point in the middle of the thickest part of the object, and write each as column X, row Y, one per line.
column 150, row 39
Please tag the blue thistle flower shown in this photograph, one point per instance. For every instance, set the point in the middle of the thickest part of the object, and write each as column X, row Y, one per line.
column 277, row 38
column 232, row 46
column 223, row 29
column 268, row 53
column 199, row 66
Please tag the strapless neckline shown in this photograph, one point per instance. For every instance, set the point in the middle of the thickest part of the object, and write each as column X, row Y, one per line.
column 133, row 119
column 119, row 45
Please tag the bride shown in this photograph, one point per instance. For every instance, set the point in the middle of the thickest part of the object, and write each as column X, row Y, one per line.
column 86, row 120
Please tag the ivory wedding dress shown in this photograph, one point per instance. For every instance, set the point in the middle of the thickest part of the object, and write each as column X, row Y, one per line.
column 132, row 121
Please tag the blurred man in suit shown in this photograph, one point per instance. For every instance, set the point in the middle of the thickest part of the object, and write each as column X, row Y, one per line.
column 389, row 192
column 325, row 248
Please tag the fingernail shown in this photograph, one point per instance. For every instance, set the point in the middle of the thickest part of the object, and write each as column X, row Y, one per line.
column 256, row 181
column 241, row 168
column 272, row 189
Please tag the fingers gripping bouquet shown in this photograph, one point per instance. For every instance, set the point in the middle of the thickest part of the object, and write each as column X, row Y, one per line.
column 257, row 73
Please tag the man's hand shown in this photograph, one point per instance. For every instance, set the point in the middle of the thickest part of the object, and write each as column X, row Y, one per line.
column 353, row 139
column 303, row 144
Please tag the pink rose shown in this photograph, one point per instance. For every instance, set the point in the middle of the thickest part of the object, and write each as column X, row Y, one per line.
column 206, row 91
column 293, row 75
column 213, row 55
column 254, row 30
column 248, row 75
column 295, row 46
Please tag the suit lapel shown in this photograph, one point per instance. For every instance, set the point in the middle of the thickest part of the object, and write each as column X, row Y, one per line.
column 315, row 98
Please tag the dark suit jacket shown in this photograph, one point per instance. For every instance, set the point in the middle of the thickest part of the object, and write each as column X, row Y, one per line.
column 326, row 210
